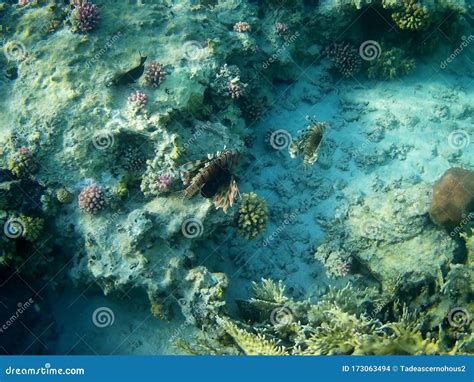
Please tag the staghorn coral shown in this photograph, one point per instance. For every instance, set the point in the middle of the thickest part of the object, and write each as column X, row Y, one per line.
column 345, row 57
column 411, row 16
column 453, row 197
column 85, row 16
column 252, row 216
column 249, row 343
column 92, row 199
column 341, row 326
column 391, row 64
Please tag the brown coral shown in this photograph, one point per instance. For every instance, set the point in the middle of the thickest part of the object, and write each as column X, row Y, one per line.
column 453, row 197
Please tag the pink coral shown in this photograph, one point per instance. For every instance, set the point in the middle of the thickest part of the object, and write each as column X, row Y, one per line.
column 138, row 99
column 86, row 15
column 154, row 74
column 164, row 183
column 92, row 199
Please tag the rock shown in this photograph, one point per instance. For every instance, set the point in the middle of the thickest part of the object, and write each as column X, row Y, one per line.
column 453, row 197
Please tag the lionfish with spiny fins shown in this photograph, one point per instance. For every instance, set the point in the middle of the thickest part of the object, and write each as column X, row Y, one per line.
column 213, row 178
column 309, row 142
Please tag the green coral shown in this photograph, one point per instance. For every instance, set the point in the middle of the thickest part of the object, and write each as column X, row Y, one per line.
column 64, row 196
column 411, row 16
column 391, row 64
column 252, row 216
column 342, row 322
column 32, row 227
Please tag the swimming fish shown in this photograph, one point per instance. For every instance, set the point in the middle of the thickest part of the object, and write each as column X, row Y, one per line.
column 129, row 76
column 309, row 142
column 213, row 178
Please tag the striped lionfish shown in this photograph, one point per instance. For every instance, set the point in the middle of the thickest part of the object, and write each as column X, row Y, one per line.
column 213, row 177
column 309, row 142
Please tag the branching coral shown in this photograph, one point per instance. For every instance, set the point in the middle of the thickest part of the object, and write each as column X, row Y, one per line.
column 339, row 323
column 411, row 16
column 252, row 216
column 391, row 64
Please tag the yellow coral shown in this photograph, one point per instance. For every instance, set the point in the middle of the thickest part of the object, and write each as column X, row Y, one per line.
column 252, row 216
column 250, row 344
column 411, row 16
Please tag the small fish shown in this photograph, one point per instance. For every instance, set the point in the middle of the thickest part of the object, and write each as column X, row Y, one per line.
column 309, row 142
column 130, row 76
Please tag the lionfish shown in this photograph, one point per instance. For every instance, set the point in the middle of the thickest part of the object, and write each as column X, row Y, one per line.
column 309, row 142
column 213, row 177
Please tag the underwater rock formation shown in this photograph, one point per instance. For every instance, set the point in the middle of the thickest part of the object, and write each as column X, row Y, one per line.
column 453, row 197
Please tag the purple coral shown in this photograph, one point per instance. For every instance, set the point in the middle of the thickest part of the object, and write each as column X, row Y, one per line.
column 164, row 183
column 138, row 99
column 281, row 28
column 92, row 199
column 235, row 89
column 155, row 74
column 86, row 15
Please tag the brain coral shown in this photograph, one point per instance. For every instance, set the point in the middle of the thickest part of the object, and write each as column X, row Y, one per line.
column 453, row 197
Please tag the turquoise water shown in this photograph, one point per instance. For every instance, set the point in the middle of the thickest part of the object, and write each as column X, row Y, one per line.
column 236, row 177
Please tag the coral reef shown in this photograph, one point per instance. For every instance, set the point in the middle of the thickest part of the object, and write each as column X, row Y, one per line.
column 64, row 196
column 453, row 197
column 22, row 164
column 337, row 325
column 138, row 100
column 85, row 16
column 411, row 16
column 252, row 216
column 92, row 199
column 391, row 64
column 154, row 74
column 345, row 58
